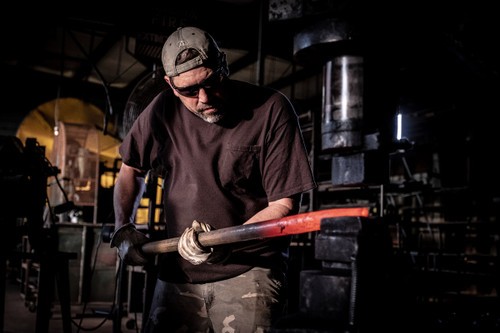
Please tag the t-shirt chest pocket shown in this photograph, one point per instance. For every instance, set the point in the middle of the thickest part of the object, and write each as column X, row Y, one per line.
column 239, row 169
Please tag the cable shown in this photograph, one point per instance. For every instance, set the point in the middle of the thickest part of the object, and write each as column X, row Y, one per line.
column 109, row 110
column 79, row 325
column 50, row 166
column 51, row 213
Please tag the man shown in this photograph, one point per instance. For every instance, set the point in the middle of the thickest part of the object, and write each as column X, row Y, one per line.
column 229, row 153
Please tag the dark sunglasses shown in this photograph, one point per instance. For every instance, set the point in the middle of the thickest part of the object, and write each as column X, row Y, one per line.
column 214, row 81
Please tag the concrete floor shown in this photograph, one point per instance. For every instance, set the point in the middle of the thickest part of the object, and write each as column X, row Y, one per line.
column 478, row 316
column 19, row 319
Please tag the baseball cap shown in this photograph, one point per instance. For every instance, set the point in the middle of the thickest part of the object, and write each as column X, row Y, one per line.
column 189, row 38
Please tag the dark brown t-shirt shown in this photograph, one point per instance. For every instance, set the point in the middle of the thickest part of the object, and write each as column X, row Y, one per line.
column 223, row 173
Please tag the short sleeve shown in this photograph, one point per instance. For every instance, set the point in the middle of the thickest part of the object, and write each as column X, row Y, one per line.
column 139, row 148
column 286, row 169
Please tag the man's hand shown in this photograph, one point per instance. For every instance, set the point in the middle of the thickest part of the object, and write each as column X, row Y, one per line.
column 190, row 248
column 128, row 241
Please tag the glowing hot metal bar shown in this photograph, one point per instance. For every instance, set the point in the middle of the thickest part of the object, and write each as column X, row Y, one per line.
column 289, row 225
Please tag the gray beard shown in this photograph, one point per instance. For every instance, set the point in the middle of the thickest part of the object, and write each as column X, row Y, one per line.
column 212, row 119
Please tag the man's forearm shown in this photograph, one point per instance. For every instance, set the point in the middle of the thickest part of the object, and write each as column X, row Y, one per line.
column 277, row 209
column 127, row 194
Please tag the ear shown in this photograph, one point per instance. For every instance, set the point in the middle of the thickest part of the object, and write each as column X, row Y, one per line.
column 224, row 65
column 167, row 79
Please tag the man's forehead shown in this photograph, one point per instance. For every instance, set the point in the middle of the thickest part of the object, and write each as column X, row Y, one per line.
column 192, row 77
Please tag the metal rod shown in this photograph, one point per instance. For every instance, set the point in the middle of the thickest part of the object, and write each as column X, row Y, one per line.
column 289, row 225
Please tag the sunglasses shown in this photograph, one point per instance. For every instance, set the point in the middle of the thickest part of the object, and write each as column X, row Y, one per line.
column 214, row 81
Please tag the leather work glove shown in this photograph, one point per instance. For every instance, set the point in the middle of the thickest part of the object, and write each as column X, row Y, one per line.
column 128, row 242
column 190, row 248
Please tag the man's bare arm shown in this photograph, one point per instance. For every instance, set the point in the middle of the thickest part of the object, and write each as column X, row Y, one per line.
column 128, row 192
column 278, row 209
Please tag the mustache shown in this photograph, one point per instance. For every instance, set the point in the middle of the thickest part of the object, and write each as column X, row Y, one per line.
column 204, row 106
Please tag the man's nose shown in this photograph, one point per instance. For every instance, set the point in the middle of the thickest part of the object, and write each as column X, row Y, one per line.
column 202, row 95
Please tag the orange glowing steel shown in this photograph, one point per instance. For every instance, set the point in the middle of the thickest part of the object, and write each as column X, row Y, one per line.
column 289, row 225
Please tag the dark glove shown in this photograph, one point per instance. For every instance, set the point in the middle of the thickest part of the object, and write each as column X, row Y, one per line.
column 190, row 248
column 128, row 242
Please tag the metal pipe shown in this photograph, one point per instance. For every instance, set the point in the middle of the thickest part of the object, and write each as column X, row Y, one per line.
column 290, row 225
column 342, row 103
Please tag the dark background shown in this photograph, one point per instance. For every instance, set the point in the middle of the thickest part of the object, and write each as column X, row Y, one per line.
column 436, row 62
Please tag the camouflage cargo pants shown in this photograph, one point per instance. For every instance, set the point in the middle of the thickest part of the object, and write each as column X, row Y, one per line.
column 248, row 303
